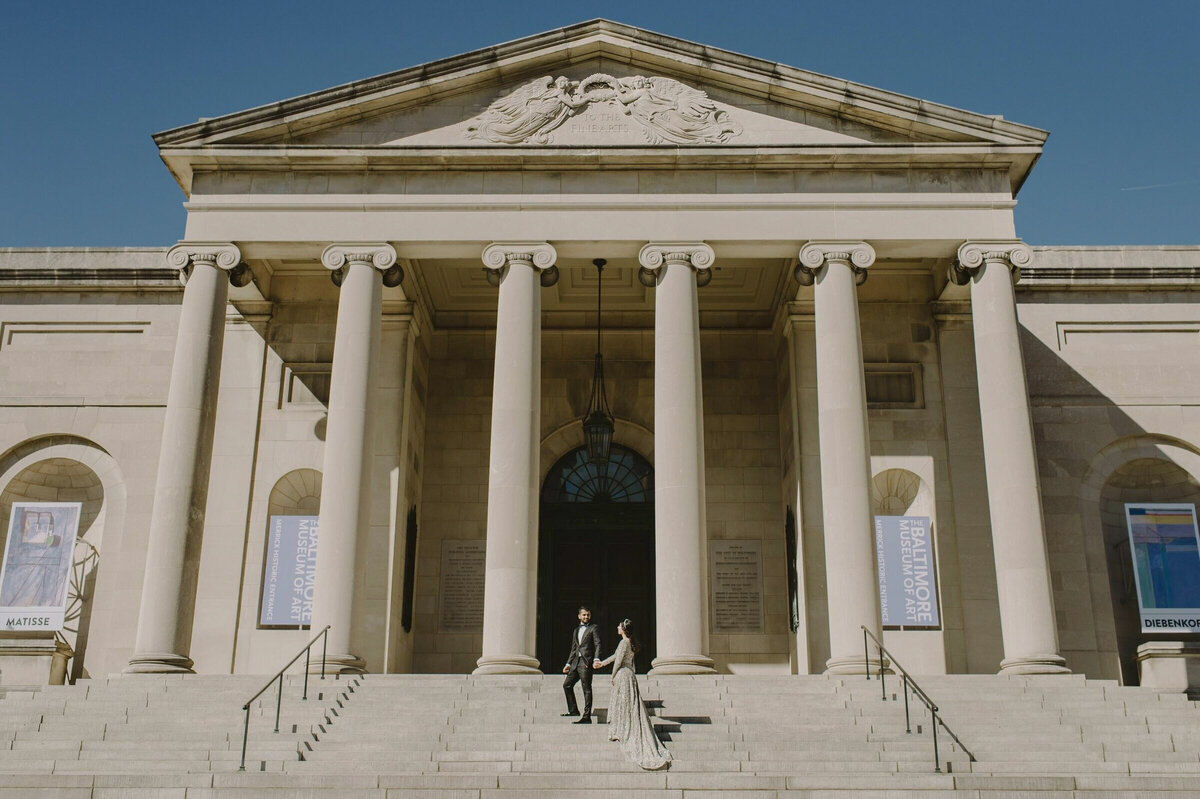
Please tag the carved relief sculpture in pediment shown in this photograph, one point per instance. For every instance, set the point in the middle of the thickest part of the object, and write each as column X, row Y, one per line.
column 667, row 111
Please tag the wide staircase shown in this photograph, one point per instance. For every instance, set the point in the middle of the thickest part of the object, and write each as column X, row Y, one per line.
column 387, row 737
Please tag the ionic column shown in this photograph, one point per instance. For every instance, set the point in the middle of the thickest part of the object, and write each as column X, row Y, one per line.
column 1027, row 620
column 679, row 523
column 181, row 486
column 510, row 569
column 835, row 268
column 361, row 270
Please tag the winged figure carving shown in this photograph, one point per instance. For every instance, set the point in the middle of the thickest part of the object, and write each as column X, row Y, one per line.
column 667, row 111
column 528, row 114
column 670, row 111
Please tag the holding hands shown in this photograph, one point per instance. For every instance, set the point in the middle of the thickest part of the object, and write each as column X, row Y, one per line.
column 596, row 663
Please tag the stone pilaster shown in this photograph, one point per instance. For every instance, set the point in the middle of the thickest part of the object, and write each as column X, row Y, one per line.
column 510, row 583
column 1027, row 619
column 181, row 486
column 361, row 271
column 834, row 268
column 679, row 519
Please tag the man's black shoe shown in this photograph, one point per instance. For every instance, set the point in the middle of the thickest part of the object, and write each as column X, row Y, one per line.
column 584, row 720
column 576, row 713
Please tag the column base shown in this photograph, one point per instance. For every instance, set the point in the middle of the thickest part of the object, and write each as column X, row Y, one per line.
column 159, row 663
column 507, row 664
column 856, row 665
column 1034, row 664
column 1170, row 666
column 681, row 664
column 337, row 664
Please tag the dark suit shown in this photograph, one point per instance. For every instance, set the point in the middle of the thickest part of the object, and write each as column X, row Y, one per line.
column 579, row 665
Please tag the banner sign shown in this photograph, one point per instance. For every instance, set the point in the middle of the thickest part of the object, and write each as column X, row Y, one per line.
column 907, row 578
column 289, row 573
column 36, row 573
column 1165, row 546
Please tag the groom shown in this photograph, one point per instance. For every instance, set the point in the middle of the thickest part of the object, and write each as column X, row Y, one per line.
column 585, row 648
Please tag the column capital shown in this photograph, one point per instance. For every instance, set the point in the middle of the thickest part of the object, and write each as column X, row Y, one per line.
column 337, row 257
column 697, row 256
column 538, row 255
column 222, row 255
column 816, row 255
column 972, row 255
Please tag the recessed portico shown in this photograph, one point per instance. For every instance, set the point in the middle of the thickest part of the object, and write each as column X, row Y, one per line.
column 752, row 199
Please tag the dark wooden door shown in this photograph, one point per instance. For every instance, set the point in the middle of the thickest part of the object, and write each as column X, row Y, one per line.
column 600, row 555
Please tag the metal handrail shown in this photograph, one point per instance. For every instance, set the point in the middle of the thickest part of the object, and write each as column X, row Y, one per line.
column 306, row 651
column 909, row 685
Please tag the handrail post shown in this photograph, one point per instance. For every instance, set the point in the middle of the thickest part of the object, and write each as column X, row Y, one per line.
column 307, row 652
column 278, row 701
column 937, row 761
column 911, row 686
column 882, row 681
column 866, row 655
column 245, row 735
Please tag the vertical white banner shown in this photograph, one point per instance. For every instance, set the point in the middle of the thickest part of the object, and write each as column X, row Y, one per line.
column 289, row 572
column 907, row 576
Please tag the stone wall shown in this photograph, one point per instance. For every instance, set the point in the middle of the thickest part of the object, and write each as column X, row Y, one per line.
column 742, row 461
column 83, row 378
column 1113, row 378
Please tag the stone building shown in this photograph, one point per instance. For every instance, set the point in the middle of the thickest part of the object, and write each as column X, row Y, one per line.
column 816, row 310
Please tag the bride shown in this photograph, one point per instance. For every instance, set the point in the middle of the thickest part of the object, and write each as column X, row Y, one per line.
column 627, row 717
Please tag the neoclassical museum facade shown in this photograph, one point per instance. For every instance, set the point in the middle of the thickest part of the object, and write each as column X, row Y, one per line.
column 382, row 324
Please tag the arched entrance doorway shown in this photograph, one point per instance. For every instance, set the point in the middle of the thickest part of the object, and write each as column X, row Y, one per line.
column 596, row 548
column 1140, row 480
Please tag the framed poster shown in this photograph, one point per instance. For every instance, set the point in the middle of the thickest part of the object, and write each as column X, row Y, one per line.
column 36, row 572
column 1165, row 546
column 907, row 573
column 289, row 573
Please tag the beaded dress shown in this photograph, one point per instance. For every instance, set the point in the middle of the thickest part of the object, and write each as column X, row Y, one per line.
column 627, row 719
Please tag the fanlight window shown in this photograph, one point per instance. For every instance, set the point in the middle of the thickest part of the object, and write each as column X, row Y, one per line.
column 626, row 477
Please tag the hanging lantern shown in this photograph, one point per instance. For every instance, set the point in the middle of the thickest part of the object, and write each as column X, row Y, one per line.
column 598, row 421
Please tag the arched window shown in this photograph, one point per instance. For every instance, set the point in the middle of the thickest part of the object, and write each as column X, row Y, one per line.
column 627, row 477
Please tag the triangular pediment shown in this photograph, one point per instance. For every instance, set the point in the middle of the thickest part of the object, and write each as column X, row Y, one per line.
column 768, row 100
column 598, row 102
column 594, row 85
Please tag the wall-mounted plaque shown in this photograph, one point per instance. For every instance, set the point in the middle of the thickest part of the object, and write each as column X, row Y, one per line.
column 736, row 586
column 460, row 586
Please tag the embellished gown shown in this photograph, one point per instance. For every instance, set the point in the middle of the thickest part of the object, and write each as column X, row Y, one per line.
column 627, row 719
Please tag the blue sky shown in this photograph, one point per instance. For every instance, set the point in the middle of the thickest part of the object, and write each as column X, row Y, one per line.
column 83, row 85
